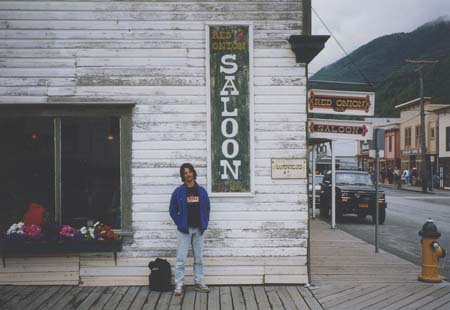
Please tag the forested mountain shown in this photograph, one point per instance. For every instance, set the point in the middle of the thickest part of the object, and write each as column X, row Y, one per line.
column 382, row 62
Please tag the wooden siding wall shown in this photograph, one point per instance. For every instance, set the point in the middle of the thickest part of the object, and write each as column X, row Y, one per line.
column 153, row 53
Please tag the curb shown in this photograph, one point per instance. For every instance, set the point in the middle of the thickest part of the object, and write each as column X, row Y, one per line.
column 409, row 189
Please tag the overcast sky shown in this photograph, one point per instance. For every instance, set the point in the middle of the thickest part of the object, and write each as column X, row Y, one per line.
column 357, row 22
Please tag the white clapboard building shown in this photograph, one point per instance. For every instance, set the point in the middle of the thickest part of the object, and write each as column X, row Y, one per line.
column 102, row 101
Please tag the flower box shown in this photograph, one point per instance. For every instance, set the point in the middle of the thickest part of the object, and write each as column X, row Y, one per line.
column 10, row 248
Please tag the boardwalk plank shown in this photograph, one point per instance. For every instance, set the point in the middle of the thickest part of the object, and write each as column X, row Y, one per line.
column 444, row 307
column 201, row 301
column 61, row 304
column 309, row 298
column 226, row 302
column 80, row 297
column 107, row 294
column 404, row 293
column 342, row 294
column 381, row 297
column 17, row 294
column 238, row 298
column 361, row 291
column 42, row 298
column 140, row 299
column 426, row 290
column 189, row 299
column 297, row 298
column 128, row 298
column 90, row 300
column 250, row 299
column 378, row 294
column 152, row 300
column 51, row 302
column 273, row 297
column 261, row 298
column 4, row 289
column 440, row 301
column 427, row 298
column 30, row 297
column 164, row 300
column 214, row 298
column 286, row 299
column 177, row 301
column 116, row 298
column 324, row 291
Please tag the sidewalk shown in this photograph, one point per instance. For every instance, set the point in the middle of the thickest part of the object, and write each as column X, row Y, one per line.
column 417, row 189
column 348, row 274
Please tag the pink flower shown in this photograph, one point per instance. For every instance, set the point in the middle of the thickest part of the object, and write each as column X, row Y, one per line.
column 68, row 231
column 32, row 231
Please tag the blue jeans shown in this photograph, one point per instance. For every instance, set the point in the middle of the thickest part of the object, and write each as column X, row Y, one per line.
column 195, row 238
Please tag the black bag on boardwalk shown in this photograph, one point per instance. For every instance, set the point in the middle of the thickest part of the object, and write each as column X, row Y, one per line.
column 160, row 276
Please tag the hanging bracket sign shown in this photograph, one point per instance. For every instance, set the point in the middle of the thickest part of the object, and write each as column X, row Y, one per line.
column 340, row 129
column 341, row 102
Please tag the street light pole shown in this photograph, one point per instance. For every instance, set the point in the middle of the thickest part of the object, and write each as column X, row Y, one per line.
column 423, row 146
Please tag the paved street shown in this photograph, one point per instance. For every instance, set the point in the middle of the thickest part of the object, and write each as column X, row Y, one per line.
column 406, row 213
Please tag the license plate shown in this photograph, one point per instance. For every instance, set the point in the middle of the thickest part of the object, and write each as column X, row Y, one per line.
column 364, row 205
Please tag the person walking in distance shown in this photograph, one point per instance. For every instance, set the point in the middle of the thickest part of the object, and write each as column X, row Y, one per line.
column 405, row 176
column 397, row 178
column 189, row 209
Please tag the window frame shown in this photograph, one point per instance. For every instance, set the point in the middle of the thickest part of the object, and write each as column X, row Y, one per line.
column 56, row 111
column 417, row 136
column 408, row 137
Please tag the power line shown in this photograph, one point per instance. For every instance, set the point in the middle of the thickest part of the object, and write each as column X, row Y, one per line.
column 342, row 48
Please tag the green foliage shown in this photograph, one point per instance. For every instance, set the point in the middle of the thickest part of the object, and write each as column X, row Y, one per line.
column 383, row 63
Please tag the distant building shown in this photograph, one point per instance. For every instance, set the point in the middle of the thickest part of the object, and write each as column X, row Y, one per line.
column 444, row 147
column 366, row 158
column 410, row 134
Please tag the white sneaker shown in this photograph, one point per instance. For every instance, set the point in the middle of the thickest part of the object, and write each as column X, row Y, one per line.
column 178, row 290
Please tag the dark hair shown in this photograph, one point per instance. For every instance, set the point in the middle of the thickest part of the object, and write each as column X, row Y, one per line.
column 190, row 167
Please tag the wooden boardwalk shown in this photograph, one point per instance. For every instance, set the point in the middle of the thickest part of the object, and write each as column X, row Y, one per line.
column 348, row 274
column 138, row 297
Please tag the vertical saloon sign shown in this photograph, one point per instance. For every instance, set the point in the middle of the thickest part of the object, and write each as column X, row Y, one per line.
column 229, row 92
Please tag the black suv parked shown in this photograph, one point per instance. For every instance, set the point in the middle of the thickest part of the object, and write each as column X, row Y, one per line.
column 355, row 193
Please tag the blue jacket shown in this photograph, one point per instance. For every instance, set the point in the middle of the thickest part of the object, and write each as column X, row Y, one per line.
column 179, row 209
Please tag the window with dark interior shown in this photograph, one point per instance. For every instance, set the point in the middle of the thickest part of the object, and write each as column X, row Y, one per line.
column 418, row 136
column 73, row 164
column 408, row 137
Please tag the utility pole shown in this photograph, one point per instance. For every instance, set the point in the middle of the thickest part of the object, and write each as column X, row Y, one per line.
column 423, row 146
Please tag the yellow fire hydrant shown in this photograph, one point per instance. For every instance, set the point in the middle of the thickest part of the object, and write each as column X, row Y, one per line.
column 431, row 252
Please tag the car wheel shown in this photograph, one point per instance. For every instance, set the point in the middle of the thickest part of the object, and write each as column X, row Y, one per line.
column 381, row 216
